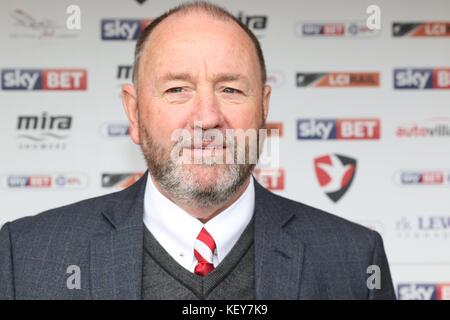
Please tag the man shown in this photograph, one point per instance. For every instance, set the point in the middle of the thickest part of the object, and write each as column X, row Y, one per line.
column 192, row 230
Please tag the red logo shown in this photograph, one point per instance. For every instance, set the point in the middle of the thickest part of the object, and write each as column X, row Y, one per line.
column 335, row 174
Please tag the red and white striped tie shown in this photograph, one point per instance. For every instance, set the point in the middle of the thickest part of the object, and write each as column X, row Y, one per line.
column 204, row 249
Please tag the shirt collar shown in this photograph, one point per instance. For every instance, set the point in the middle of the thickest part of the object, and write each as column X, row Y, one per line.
column 176, row 230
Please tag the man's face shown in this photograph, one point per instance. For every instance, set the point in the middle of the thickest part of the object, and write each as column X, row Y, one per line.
column 196, row 69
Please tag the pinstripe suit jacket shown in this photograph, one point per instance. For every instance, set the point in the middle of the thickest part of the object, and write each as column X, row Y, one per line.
column 300, row 252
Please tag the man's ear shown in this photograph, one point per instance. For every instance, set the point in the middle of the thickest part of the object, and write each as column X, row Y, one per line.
column 130, row 105
column 267, row 90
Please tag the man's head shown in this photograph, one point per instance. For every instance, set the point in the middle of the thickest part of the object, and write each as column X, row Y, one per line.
column 196, row 63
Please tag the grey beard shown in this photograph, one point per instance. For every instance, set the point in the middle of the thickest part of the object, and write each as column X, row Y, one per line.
column 181, row 184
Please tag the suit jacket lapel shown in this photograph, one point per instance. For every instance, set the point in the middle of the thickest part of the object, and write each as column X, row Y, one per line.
column 278, row 254
column 116, row 254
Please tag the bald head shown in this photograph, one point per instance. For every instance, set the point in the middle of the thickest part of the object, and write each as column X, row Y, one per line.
column 168, row 19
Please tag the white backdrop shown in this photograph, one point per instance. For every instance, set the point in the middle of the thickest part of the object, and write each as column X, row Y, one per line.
column 61, row 146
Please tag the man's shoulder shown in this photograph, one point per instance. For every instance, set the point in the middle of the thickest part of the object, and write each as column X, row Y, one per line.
column 315, row 225
column 84, row 215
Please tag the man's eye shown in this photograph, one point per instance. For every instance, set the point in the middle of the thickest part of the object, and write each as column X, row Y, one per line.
column 175, row 90
column 231, row 90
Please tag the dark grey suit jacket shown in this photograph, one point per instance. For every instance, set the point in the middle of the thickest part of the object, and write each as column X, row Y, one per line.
column 300, row 252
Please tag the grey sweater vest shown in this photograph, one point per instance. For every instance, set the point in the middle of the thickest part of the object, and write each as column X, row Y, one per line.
column 232, row 279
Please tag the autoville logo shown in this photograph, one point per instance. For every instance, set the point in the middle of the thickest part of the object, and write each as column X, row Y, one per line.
column 337, row 79
column 338, row 29
column 423, row 291
column 335, row 174
column 115, row 130
column 44, row 79
column 338, row 129
column 437, row 128
column 440, row 178
column 43, row 131
column 46, row 181
column 423, row 227
column 422, row 78
column 421, row 29
column 270, row 178
column 122, row 29
column 255, row 22
column 120, row 180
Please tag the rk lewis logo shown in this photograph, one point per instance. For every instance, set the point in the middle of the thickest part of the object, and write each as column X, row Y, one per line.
column 335, row 174
column 338, row 129
column 122, row 29
column 44, row 79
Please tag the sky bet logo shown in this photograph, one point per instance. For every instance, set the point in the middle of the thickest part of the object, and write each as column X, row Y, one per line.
column 423, row 291
column 122, row 29
column 44, row 79
column 338, row 129
column 410, row 78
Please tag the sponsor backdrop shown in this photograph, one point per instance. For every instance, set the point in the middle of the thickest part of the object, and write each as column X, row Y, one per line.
column 364, row 115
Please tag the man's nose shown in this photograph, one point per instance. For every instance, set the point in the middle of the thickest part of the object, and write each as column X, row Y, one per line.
column 206, row 110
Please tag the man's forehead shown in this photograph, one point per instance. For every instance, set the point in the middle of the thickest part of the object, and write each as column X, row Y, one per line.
column 192, row 76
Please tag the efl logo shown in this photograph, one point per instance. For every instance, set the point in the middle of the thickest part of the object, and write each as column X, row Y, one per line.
column 425, row 178
column 421, row 29
column 335, row 174
column 423, row 291
column 430, row 128
column 271, row 179
column 44, row 79
column 115, row 130
column 338, row 79
column 74, row 181
column 338, row 129
column 410, row 78
column 120, row 180
column 122, row 29
column 334, row 29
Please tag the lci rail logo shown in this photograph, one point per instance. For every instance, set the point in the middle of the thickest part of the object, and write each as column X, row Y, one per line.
column 122, row 29
column 270, row 178
column 438, row 127
column 115, row 130
column 337, row 79
column 335, row 174
column 43, row 132
column 422, row 78
column 423, row 291
column 48, row 181
column 338, row 129
column 423, row 227
column 422, row 178
column 44, row 79
column 421, row 29
column 120, row 180
column 353, row 29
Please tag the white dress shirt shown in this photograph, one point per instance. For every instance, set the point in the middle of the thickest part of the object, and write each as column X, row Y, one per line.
column 176, row 230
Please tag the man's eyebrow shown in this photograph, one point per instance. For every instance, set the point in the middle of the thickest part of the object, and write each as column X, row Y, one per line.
column 176, row 76
column 184, row 76
column 223, row 77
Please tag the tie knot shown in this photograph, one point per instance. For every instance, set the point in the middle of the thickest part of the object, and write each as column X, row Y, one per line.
column 204, row 249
